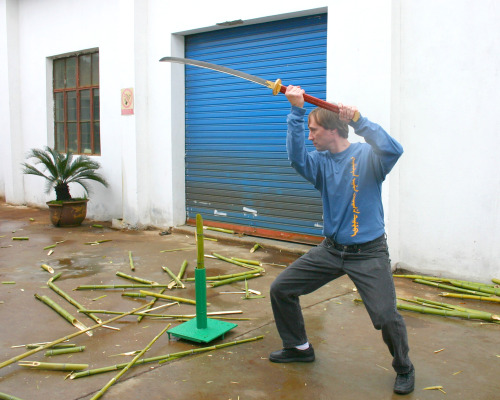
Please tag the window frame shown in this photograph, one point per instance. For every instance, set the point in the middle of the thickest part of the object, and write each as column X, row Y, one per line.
column 95, row 143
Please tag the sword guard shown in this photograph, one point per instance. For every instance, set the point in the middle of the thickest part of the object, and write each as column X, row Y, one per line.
column 275, row 86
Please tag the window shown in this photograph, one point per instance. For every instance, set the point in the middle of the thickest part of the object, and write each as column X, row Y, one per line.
column 76, row 104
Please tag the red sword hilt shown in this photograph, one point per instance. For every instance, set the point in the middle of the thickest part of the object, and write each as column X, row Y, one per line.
column 277, row 87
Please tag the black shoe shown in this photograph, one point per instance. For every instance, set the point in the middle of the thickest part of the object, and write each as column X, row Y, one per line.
column 405, row 383
column 292, row 355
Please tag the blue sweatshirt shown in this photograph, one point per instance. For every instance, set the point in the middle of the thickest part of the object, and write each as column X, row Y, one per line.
column 350, row 182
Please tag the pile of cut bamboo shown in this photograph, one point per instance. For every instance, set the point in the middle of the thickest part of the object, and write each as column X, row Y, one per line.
column 463, row 290
column 144, row 287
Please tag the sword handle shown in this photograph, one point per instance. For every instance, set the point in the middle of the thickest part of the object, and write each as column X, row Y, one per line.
column 312, row 100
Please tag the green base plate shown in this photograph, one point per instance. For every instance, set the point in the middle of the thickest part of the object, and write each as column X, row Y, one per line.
column 189, row 330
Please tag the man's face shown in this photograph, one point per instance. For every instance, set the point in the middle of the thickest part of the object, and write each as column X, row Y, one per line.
column 322, row 138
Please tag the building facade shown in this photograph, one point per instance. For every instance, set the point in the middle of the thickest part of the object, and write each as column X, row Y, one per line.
column 87, row 77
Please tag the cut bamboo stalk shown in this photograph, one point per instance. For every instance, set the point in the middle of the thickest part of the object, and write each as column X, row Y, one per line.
column 99, row 241
column 448, row 287
column 479, row 287
column 487, row 315
column 35, row 345
column 136, row 278
column 236, row 279
column 140, row 317
column 47, row 268
column 173, row 276
column 66, row 338
column 50, row 247
column 179, row 275
column 134, row 295
column 20, row 238
column 131, row 261
column 470, row 297
column 57, row 352
column 245, row 261
column 146, row 314
column 425, row 277
column 57, row 346
column 229, row 276
column 236, row 262
column 55, row 277
column 497, row 281
column 67, row 297
column 211, row 228
column 53, row 366
column 173, row 298
column 128, row 366
column 159, row 358
column 4, row 396
column 255, row 247
column 63, row 313
column 98, row 287
column 179, row 249
column 445, row 313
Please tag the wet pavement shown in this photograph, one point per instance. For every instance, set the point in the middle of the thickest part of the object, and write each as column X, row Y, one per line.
column 352, row 362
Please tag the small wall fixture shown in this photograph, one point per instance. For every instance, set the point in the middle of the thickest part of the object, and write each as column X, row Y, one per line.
column 230, row 23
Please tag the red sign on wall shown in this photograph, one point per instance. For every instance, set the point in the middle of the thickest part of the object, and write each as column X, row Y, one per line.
column 127, row 100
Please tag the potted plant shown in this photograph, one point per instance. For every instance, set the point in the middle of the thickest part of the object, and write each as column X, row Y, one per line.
column 60, row 170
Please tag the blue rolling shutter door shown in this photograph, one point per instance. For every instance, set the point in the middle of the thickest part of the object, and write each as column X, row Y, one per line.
column 237, row 169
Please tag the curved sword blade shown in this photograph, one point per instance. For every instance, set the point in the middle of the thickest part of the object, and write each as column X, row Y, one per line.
column 218, row 68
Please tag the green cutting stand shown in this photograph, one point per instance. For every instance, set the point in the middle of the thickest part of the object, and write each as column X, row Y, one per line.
column 201, row 329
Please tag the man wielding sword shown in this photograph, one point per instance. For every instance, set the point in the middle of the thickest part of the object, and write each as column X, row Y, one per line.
column 349, row 177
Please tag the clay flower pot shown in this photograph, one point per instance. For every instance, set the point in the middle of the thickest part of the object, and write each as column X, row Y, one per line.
column 67, row 213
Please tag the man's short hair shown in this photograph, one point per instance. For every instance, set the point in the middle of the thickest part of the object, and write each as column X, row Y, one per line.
column 330, row 120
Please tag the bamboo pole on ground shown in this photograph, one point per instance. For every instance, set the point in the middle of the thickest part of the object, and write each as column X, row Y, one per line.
column 53, row 366
column 147, row 314
column 169, row 357
column 58, row 352
column 131, row 261
column 470, row 297
column 449, row 287
column 179, row 275
column 173, row 298
column 5, row 396
column 445, row 313
column 65, row 338
column 174, row 277
column 236, row 279
column 129, row 365
column 136, row 278
column 67, row 297
column 479, row 287
column 63, row 313
column 237, row 262
column 486, row 314
column 138, row 286
column 245, row 261
column 229, row 276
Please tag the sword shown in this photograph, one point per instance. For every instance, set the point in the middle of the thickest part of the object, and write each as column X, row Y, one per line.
column 276, row 86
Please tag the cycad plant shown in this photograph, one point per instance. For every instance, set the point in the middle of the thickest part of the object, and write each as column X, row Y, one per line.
column 62, row 169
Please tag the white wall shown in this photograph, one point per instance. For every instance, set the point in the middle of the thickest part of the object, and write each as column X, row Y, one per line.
column 426, row 70
column 450, row 186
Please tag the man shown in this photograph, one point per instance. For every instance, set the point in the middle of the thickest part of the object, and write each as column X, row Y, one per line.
column 349, row 177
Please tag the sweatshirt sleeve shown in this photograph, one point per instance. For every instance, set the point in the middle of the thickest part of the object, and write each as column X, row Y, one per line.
column 301, row 160
column 386, row 150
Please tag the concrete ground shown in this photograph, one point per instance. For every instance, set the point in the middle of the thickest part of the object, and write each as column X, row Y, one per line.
column 351, row 360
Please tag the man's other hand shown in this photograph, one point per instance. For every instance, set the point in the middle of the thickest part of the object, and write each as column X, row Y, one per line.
column 346, row 113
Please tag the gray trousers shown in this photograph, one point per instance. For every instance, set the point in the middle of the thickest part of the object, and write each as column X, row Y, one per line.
column 368, row 267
